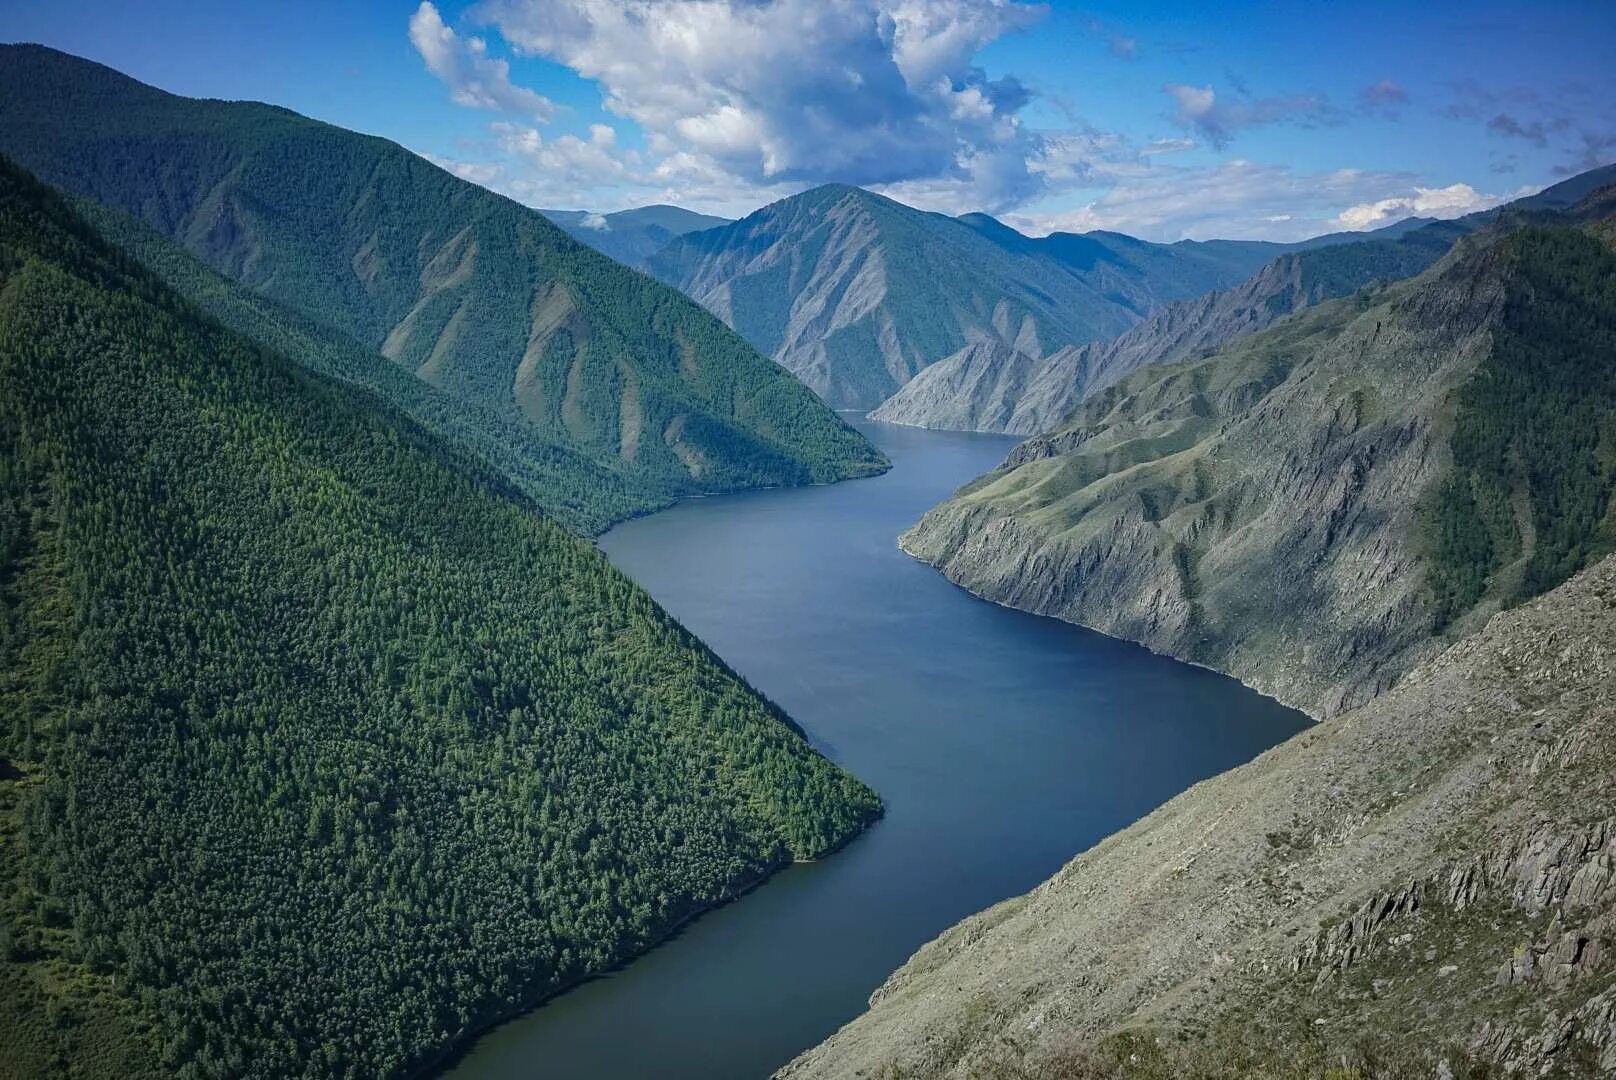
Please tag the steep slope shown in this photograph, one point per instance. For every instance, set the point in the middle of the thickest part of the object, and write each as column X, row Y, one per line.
column 1428, row 879
column 1176, row 331
column 977, row 389
column 580, row 492
column 1305, row 508
column 319, row 747
column 855, row 293
column 484, row 299
column 1322, row 268
column 632, row 236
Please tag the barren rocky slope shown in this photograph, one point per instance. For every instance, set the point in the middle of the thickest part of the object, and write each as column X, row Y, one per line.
column 1428, row 879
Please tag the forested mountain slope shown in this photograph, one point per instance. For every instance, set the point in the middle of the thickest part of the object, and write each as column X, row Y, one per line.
column 1422, row 888
column 632, row 236
column 1309, row 508
column 486, row 300
column 320, row 748
column 855, row 293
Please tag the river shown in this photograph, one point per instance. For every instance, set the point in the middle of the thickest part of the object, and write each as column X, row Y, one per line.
column 1003, row 744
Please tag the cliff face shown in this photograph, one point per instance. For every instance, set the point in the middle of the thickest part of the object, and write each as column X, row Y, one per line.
column 1428, row 879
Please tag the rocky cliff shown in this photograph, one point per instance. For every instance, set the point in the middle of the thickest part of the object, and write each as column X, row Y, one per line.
column 1425, row 886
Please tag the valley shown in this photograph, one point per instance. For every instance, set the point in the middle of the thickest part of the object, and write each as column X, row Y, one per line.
column 998, row 740
column 739, row 538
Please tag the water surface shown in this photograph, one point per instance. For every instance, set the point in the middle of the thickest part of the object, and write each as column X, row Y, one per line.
column 1003, row 744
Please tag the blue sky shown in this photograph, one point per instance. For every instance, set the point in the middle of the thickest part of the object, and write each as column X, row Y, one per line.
column 1165, row 120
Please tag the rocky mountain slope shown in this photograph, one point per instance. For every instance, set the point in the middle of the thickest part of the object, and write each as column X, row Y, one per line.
column 944, row 396
column 486, row 300
column 1040, row 398
column 855, row 293
column 320, row 748
column 1307, row 508
column 1423, row 887
column 632, row 236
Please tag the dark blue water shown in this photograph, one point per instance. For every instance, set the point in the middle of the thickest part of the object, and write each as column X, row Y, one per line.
column 1003, row 744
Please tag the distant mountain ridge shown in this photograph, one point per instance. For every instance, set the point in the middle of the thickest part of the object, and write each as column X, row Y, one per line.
column 633, row 236
column 856, row 293
column 974, row 392
column 577, row 357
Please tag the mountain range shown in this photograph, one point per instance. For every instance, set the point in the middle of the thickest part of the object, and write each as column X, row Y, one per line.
column 612, row 394
column 855, row 293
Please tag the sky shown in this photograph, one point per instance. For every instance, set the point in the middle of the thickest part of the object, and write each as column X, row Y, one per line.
column 1164, row 120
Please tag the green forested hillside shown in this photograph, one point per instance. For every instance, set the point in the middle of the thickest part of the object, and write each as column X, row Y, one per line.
column 1528, row 500
column 486, row 300
column 319, row 747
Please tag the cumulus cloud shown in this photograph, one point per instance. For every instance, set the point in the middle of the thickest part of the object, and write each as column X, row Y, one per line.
column 1202, row 110
column 874, row 92
column 1452, row 201
column 474, row 78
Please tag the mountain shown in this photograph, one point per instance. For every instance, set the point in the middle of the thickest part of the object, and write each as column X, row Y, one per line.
column 632, row 236
column 1310, row 509
column 487, row 301
column 855, row 293
column 1038, row 399
column 320, row 748
column 1423, row 887
column 945, row 396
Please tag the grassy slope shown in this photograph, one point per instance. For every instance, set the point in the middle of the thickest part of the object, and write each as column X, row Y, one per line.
column 488, row 301
column 1267, row 511
column 321, row 748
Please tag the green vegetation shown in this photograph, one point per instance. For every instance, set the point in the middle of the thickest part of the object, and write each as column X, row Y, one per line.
column 597, row 389
column 1536, row 425
column 319, row 747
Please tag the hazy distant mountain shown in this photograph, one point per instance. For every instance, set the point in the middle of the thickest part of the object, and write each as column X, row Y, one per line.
column 632, row 236
column 995, row 392
column 855, row 293
column 486, row 300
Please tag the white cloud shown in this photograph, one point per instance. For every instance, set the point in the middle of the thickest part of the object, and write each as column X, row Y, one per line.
column 474, row 78
column 1452, row 201
column 874, row 92
column 1235, row 199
